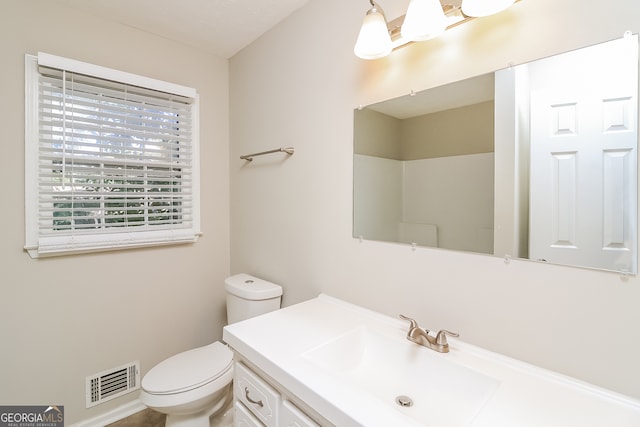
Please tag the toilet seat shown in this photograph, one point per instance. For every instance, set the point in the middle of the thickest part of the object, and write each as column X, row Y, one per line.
column 188, row 370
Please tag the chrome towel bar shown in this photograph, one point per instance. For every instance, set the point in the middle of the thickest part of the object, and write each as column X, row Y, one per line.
column 249, row 157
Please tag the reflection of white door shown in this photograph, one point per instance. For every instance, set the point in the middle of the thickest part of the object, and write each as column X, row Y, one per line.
column 583, row 159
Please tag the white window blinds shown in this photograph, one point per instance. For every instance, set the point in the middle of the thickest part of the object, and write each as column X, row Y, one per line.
column 116, row 164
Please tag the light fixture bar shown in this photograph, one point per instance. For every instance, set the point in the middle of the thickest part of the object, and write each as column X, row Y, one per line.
column 453, row 14
column 373, row 42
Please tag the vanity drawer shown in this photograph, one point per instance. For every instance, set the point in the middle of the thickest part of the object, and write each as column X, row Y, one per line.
column 243, row 418
column 291, row 416
column 261, row 399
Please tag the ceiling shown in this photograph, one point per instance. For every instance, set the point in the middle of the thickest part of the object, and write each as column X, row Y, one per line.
column 220, row 27
column 453, row 95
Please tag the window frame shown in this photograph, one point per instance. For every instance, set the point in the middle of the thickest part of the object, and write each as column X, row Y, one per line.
column 38, row 245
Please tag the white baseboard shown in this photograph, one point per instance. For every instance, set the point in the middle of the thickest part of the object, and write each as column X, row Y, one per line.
column 114, row 415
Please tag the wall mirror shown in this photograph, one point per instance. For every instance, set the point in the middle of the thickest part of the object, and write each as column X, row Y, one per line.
column 537, row 161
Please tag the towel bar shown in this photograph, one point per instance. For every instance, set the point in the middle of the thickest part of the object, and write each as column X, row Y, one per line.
column 249, row 157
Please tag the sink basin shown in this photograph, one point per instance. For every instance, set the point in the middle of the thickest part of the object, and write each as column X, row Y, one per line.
column 440, row 392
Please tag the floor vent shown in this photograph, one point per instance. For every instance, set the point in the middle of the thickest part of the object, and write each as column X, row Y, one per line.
column 107, row 385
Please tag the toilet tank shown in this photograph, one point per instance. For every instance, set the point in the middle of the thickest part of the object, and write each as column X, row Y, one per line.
column 249, row 296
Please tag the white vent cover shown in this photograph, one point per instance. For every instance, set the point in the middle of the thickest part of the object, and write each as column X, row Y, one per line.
column 107, row 385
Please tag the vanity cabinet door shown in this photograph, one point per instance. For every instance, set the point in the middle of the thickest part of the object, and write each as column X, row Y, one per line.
column 291, row 416
column 243, row 418
column 261, row 399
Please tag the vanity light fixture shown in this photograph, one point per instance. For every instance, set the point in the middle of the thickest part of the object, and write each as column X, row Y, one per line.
column 424, row 20
column 374, row 40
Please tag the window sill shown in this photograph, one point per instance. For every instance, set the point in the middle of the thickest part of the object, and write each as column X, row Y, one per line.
column 71, row 245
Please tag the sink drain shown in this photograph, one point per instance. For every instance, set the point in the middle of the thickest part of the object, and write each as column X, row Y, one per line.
column 404, row 401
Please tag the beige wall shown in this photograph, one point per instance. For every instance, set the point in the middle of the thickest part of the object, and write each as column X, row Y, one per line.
column 67, row 317
column 291, row 217
column 454, row 132
column 377, row 134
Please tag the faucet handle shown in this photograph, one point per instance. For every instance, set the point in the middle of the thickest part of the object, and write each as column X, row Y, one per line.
column 413, row 324
column 441, row 337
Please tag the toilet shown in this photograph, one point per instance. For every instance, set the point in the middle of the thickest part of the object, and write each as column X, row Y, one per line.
column 195, row 385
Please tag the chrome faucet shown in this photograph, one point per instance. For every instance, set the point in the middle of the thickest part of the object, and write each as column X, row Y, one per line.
column 422, row 337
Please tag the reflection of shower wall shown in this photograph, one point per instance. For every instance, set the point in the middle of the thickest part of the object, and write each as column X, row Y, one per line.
column 451, row 209
column 418, row 233
column 460, row 204
column 378, row 200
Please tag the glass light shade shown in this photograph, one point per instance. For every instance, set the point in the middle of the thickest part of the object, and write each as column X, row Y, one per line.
column 374, row 40
column 479, row 8
column 424, row 20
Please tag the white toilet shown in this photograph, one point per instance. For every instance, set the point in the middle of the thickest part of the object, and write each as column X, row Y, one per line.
column 195, row 385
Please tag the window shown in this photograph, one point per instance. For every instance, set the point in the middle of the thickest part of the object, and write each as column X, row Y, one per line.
column 111, row 159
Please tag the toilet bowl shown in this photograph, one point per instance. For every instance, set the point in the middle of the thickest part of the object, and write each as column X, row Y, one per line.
column 195, row 385
column 195, row 382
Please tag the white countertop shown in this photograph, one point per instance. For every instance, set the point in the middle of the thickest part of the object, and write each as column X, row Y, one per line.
column 525, row 395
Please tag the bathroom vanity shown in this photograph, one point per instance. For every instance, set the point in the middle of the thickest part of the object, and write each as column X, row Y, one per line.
column 259, row 401
column 328, row 362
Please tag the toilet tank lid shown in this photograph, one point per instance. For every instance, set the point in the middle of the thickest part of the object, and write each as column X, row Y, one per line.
column 252, row 288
